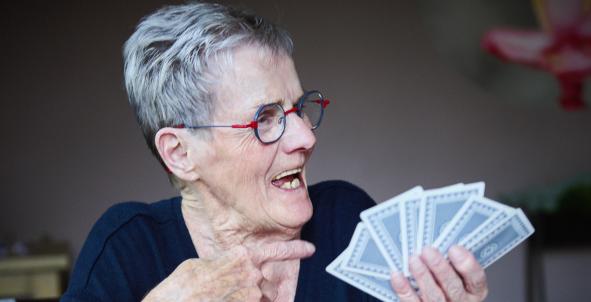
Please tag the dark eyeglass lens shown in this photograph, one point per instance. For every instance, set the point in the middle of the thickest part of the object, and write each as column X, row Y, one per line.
column 270, row 122
column 312, row 109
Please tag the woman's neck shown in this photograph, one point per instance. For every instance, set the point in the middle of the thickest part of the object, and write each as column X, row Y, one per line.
column 214, row 229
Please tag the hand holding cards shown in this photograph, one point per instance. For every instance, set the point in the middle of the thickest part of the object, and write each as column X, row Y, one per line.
column 392, row 231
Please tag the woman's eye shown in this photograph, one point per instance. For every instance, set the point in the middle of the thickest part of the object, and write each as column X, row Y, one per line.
column 265, row 118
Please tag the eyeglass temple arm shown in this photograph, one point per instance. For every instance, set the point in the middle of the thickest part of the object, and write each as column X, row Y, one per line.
column 252, row 124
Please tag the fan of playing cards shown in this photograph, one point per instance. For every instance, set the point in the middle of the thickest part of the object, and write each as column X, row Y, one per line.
column 392, row 231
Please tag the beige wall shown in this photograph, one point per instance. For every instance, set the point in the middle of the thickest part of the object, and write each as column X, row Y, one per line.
column 401, row 116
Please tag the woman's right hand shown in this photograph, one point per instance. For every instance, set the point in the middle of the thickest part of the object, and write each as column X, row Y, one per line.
column 234, row 276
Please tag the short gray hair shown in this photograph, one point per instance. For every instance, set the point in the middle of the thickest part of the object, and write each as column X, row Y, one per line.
column 170, row 58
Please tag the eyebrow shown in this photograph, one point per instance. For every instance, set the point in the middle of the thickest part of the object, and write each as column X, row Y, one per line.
column 278, row 101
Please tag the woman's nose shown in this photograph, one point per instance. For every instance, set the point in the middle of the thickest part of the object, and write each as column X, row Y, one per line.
column 298, row 135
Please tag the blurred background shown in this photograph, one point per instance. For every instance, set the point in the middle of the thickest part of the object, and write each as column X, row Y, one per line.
column 416, row 101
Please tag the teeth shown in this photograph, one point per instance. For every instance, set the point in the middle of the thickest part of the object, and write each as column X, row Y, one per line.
column 294, row 184
column 288, row 172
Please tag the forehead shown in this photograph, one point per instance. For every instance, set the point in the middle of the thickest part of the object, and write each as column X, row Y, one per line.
column 255, row 76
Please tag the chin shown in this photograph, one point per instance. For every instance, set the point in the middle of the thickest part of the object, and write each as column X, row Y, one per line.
column 292, row 209
column 297, row 216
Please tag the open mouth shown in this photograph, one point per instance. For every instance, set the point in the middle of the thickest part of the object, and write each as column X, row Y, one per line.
column 288, row 180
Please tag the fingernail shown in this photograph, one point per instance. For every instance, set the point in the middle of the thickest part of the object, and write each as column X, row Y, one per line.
column 455, row 253
column 310, row 248
column 430, row 254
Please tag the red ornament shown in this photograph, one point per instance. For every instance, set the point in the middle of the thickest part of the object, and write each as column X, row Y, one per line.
column 562, row 48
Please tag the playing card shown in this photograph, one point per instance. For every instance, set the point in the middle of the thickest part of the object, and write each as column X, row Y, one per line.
column 475, row 212
column 377, row 287
column 383, row 223
column 490, row 246
column 364, row 257
column 409, row 224
column 488, row 226
column 439, row 206
column 394, row 230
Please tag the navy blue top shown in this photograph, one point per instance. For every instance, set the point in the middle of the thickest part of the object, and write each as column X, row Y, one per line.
column 134, row 246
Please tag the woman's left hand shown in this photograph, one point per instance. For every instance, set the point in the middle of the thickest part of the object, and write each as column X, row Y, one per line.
column 439, row 280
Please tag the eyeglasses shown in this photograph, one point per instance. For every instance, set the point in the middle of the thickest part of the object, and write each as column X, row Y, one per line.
column 270, row 119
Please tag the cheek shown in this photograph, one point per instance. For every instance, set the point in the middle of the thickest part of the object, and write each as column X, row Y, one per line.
column 242, row 168
column 251, row 167
column 257, row 158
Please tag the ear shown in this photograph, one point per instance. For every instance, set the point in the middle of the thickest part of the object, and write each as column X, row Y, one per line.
column 172, row 145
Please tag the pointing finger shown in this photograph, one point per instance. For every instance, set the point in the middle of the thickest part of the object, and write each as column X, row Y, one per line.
column 283, row 250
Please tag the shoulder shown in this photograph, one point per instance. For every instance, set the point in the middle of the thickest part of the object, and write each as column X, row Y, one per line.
column 123, row 217
column 124, row 229
column 122, row 213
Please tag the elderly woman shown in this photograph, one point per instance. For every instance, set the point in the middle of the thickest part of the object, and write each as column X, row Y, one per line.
column 220, row 104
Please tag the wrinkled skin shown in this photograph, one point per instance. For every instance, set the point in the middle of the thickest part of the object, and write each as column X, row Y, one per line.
column 245, row 229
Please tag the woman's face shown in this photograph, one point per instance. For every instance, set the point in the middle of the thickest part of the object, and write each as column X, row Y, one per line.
column 236, row 170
